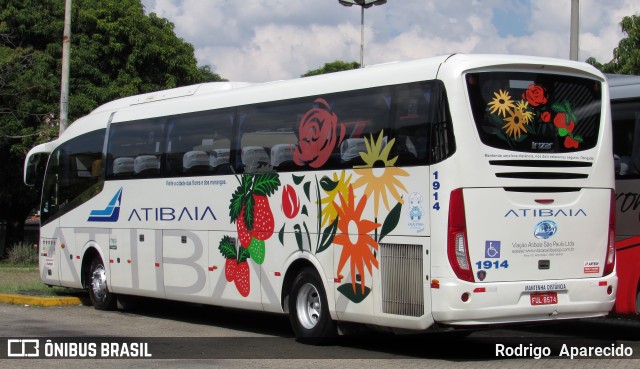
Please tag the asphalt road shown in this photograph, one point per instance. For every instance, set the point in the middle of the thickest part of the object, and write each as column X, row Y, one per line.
column 170, row 335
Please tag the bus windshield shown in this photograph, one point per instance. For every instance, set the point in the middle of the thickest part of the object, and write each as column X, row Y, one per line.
column 535, row 112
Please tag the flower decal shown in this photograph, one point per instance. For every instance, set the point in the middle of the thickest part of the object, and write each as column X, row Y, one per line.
column 319, row 134
column 290, row 202
column 380, row 181
column 535, row 95
column 357, row 243
column 514, row 121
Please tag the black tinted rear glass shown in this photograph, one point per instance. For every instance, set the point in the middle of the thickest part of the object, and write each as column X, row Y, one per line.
column 535, row 112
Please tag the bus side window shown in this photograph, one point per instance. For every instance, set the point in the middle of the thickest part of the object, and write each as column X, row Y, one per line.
column 626, row 139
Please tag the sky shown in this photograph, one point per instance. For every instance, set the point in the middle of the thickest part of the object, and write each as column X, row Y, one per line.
column 267, row 40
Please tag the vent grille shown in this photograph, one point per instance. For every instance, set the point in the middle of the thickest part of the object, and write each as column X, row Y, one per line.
column 402, row 287
column 541, row 175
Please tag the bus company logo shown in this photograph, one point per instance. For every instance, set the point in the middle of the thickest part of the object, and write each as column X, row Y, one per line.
column 544, row 213
column 109, row 214
column 545, row 229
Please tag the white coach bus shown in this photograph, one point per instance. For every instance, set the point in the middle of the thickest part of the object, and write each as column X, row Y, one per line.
column 454, row 191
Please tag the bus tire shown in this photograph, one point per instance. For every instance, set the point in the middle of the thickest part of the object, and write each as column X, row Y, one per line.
column 99, row 293
column 308, row 309
column 638, row 301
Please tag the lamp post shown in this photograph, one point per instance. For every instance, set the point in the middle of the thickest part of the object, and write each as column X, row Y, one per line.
column 363, row 4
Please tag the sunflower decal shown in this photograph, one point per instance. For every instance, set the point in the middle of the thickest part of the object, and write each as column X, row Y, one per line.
column 378, row 181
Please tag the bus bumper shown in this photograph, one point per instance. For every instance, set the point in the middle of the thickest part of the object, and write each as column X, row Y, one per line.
column 457, row 302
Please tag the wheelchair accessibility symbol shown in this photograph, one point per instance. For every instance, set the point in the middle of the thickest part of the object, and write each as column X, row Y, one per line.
column 492, row 249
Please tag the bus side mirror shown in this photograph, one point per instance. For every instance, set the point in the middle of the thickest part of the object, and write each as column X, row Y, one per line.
column 34, row 169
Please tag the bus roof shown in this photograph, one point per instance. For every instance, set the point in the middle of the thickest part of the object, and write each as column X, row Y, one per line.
column 623, row 86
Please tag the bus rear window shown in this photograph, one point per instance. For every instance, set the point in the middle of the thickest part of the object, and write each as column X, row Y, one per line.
column 535, row 112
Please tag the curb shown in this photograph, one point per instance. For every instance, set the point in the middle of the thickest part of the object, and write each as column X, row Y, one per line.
column 39, row 301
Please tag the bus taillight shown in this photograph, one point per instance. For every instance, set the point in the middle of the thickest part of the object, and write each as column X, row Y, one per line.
column 457, row 248
column 610, row 260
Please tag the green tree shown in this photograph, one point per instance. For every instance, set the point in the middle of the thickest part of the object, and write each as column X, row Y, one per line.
column 332, row 67
column 116, row 51
column 626, row 57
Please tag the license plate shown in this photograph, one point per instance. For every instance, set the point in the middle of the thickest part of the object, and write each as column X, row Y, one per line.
column 550, row 298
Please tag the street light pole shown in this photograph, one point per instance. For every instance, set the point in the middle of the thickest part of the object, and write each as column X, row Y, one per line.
column 64, row 81
column 574, row 44
column 363, row 4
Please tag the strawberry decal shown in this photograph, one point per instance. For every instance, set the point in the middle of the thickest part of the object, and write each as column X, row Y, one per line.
column 236, row 268
column 263, row 223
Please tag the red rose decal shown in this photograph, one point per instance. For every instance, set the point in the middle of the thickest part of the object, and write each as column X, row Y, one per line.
column 290, row 202
column 535, row 95
column 318, row 136
column 545, row 116
column 569, row 143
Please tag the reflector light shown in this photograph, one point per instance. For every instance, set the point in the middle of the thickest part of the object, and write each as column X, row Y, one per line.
column 610, row 257
column 544, row 201
column 457, row 245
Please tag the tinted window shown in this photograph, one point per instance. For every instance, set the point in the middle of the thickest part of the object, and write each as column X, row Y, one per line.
column 73, row 175
column 135, row 149
column 535, row 112
column 347, row 130
column 199, row 143
column 626, row 137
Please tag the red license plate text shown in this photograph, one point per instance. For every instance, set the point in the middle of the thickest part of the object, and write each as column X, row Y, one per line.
column 550, row 298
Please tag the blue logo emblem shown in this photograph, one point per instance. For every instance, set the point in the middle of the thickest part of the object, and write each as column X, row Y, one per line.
column 110, row 213
column 545, row 229
column 491, row 249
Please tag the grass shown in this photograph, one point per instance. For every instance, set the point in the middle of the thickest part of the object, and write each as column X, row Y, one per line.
column 25, row 280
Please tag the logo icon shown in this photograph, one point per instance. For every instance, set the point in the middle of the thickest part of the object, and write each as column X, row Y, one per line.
column 545, row 229
column 110, row 213
column 482, row 275
column 23, row 348
column 491, row 249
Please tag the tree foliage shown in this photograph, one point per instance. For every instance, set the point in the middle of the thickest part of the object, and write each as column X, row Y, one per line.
column 626, row 57
column 332, row 67
column 116, row 51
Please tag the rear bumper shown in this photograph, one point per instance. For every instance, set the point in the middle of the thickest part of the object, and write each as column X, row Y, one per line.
column 510, row 302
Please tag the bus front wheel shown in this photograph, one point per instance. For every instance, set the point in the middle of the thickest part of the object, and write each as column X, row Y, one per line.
column 99, row 293
column 308, row 309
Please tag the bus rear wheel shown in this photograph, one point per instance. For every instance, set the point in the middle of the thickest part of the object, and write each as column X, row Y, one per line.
column 308, row 309
column 99, row 293
column 638, row 301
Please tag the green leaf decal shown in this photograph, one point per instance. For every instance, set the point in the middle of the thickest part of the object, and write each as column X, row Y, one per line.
column 521, row 138
column 308, row 235
column 391, row 221
column 327, row 184
column 248, row 212
column 298, row 233
column 358, row 296
column 297, row 179
column 304, row 210
column 281, row 235
column 243, row 254
column 490, row 130
column 226, row 248
column 328, row 235
column 307, row 190
column 266, row 184
column 558, row 108
column 562, row 132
